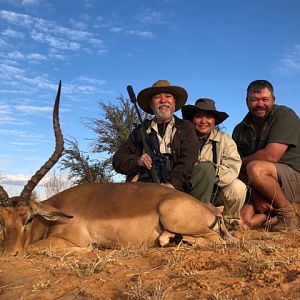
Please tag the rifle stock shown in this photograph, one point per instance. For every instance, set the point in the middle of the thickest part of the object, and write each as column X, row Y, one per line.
column 143, row 133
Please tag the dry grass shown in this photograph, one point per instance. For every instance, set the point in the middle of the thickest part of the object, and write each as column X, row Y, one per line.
column 41, row 285
column 261, row 266
column 137, row 291
column 89, row 267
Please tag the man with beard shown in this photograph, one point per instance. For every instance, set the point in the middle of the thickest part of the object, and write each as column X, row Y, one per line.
column 175, row 139
column 268, row 140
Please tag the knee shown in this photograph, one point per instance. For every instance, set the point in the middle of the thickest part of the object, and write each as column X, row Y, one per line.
column 233, row 197
column 255, row 168
column 258, row 170
column 236, row 190
column 239, row 190
column 204, row 170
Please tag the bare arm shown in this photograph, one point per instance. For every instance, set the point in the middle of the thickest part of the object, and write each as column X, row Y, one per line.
column 272, row 153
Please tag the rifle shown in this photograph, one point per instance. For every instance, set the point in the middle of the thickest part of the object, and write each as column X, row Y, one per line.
column 143, row 134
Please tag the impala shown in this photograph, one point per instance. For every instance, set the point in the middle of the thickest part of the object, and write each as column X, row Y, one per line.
column 104, row 214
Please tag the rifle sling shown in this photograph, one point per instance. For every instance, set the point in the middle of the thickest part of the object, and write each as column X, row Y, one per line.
column 215, row 159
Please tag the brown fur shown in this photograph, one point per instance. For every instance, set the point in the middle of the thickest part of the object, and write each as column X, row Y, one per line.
column 107, row 214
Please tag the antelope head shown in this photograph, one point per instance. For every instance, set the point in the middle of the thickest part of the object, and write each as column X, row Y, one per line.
column 17, row 213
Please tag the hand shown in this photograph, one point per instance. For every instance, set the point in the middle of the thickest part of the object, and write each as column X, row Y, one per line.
column 263, row 207
column 168, row 185
column 145, row 161
column 201, row 159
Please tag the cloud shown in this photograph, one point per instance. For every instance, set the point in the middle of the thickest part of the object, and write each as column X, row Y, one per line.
column 117, row 29
column 16, row 19
column 4, row 109
column 8, row 70
column 85, row 89
column 54, row 42
column 14, row 114
column 36, row 57
column 91, row 80
column 22, row 179
column 36, row 110
column 32, row 110
column 96, row 42
column 82, row 89
column 17, row 81
column 13, row 34
column 12, row 55
column 3, row 44
column 23, row 143
column 12, row 121
column 146, row 34
column 139, row 33
column 17, row 179
column 21, row 134
column 149, row 16
column 58, row 38
column 290, row 61
column 58, row 56
column 11, row 132
column 30, row 2
column 14, row 76
column 78, row 24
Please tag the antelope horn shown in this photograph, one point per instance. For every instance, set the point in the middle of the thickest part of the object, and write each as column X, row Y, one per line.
column 3, row 197
column 59, row 148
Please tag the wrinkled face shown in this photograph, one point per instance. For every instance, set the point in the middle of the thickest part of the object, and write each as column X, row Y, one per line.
column 15, row 229
column 260, row 103
column 163, row 106
column 204, row 123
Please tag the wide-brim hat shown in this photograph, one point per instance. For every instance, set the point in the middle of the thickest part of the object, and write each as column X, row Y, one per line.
column 161, row 86
column 203, row 104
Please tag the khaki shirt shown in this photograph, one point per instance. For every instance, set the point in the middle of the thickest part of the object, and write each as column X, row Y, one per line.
column 165, row 141
column 228, row 159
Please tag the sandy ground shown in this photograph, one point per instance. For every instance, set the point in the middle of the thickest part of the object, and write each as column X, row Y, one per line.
column 261, row 266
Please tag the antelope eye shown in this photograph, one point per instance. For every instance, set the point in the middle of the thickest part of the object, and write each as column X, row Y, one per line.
column 29, row 221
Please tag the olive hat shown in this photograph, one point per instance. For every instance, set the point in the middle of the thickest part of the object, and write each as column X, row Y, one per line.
column 161, row 86
column 203, row 104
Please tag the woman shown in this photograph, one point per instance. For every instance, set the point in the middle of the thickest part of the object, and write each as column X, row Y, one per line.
column 215, row 176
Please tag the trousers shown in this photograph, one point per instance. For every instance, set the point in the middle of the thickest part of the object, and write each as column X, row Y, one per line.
column 231, row 196
column 202, row 181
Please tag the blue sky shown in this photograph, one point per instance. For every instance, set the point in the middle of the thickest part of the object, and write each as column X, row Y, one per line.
column 97, row 47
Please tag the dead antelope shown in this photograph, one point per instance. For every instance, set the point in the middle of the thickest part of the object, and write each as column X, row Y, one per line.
column 103, row 214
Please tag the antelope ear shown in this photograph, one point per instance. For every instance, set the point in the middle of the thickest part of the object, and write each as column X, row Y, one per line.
column 49, row 212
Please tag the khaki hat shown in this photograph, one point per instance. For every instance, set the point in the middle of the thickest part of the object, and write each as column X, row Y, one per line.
column 161, row 86
column 203, row 104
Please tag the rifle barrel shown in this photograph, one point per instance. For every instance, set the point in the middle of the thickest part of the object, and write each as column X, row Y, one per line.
column 143, row 133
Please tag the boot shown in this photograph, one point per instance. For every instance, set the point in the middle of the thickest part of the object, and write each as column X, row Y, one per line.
column 286, row 218
column 232, row 224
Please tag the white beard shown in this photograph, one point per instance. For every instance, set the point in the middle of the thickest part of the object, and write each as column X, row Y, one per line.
column 164, row 115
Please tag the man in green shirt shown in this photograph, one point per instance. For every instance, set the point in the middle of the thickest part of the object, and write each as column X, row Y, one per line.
column 268, row 140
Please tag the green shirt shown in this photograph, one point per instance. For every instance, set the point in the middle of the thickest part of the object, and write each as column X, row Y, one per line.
column 281, row 126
